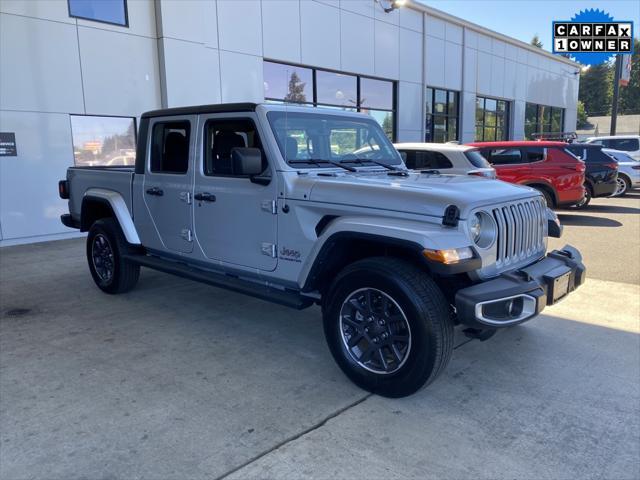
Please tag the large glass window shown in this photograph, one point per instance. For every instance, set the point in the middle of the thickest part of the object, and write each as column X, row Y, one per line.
column 295, row 84
column 316, row 141
column 492, row 119
column 541, row 119
column 105, row 11
column 103, row 141
column 442, row 115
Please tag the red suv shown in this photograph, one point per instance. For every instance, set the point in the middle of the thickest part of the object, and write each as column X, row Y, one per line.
column 546, row 166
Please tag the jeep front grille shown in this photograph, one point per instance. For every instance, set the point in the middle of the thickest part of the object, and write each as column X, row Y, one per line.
column 521, row 231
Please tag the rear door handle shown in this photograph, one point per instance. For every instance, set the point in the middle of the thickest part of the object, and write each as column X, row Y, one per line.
column 205, row 197
column 155, row 191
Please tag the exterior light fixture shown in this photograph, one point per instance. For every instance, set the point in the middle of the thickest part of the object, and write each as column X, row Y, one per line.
column 390, row 5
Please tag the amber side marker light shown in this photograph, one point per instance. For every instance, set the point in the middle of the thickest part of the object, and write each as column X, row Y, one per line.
column 448, row 257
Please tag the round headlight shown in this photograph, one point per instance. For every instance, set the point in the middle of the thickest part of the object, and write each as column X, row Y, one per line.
column 483, row 229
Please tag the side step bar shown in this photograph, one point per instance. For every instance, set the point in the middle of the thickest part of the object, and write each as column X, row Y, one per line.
column 263, row 292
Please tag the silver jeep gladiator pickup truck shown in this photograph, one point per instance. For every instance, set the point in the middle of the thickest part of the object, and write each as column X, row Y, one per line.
column 303, row 206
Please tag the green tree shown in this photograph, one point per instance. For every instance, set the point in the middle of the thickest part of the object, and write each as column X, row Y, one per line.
column 387, row 126
column 629, row 102
column 596, row 89
column 536, row 42
column 582, row 116
column 296, row 90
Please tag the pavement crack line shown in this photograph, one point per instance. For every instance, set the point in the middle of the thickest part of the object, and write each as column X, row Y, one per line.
column 295, row 437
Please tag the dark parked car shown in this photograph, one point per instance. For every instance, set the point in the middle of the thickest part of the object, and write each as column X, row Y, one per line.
column 601, row 174
column 545, row 166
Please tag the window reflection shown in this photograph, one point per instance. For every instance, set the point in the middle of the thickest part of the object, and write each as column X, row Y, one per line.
column 106, row 11
column 492, row 119
column 376, row 94
column 288, row 83
column 336, row 89
column 103, row 141
column 541, row 119
column 442, row 115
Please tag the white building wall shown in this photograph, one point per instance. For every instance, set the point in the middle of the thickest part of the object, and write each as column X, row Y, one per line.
column 181, row 52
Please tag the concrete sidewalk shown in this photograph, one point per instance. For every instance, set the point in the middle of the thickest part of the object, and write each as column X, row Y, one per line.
column 177, row 380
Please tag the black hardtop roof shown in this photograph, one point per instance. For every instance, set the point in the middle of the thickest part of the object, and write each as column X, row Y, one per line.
column 198, row 109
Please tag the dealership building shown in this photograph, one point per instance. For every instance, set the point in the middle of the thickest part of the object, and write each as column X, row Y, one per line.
column 77, row 74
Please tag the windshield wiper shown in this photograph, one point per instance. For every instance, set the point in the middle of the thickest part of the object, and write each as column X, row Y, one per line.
column 320, row 162
column 361, row 161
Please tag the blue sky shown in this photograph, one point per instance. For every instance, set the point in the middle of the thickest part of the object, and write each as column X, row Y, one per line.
column 522, row 19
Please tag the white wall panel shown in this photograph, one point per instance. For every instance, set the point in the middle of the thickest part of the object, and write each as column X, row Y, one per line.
column 498, row 47
column 517, row 120
column 142, row 20
column 387, row 50
column 533, row 59
column 522, row 55
column 435, row 27
column 484, row 43
column 509, row 79
column 242, row 79
column 240, row 26
column 411, row 57
column 357, row 43
column 468, row 117
column 332, row 3
column 411, row 19
column 361, row 7
column 521, row 81
column 195, row 62
column 570, row 119
column 469, row 82
column 56, row 10
column 453, row 66
column 392, row 17
column 484, row 73
column 410, row 106
column 434, row 62
column 470, row 38
column 320, row 26
column 193, row 20
column 410, row 136
column 40, row 65
column 497, row 76
column 28, row 182
column 453, row 33
column 511, row 52
column 281, row 30
column 121, row 79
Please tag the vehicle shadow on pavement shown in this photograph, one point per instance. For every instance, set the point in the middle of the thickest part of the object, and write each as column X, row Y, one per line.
column 587, row 221
column 610, row 209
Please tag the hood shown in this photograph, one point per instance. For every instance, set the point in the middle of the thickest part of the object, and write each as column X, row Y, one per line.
column 422, row 194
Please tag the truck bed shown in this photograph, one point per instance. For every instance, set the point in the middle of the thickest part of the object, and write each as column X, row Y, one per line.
column 82, row 179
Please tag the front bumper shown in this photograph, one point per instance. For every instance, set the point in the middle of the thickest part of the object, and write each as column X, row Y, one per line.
column 520, row 295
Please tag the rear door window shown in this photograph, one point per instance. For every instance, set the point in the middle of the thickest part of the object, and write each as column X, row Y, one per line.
column 504, row 156
column 624, row 144
column 426, row 160
column 533, row 154
column 476, row 159
column 170, row 147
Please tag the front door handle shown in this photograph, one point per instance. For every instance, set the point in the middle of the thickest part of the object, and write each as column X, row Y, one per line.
column 205, row 197
column 155, row 191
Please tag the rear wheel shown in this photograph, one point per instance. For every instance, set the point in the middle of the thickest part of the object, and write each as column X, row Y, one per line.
column 106, row 247
column 622, row 186
column 547, row 196
column 388, row 326
column 588, row 194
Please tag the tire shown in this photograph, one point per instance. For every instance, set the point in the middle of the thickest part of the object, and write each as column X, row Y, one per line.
column 547, row 197
column 106, row 247
column 417, row 312
column 623, row 186
column 587, row 198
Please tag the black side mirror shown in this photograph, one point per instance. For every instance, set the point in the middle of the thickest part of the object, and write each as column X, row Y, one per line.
column 248, row 162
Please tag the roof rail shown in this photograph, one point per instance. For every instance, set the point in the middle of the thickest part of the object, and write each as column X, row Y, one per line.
column 568, row 137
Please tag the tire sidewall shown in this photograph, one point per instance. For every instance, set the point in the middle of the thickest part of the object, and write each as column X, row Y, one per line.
column 105, row 228
column 423, row 346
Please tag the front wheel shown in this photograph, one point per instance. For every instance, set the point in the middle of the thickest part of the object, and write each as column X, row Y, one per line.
column 388, row 326
column 106, row 247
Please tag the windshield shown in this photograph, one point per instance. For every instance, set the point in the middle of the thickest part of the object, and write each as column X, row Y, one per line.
column 476, row 159
column 312, row 138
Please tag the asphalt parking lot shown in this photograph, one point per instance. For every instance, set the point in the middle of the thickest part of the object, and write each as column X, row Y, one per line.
column 178, row 380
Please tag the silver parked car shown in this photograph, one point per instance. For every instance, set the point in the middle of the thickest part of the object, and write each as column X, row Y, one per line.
column 302, row 206
column 628, row 171
column 446, row 158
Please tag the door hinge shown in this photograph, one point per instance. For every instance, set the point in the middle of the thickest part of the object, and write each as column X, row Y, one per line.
column 186, row 234
column 269, row 249
column 186, row 197
column 269, row 206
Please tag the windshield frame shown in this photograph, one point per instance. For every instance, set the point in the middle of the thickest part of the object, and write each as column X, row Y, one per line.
column 391, row 156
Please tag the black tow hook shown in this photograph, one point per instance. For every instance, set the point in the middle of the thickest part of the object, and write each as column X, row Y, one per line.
column 479, row 334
